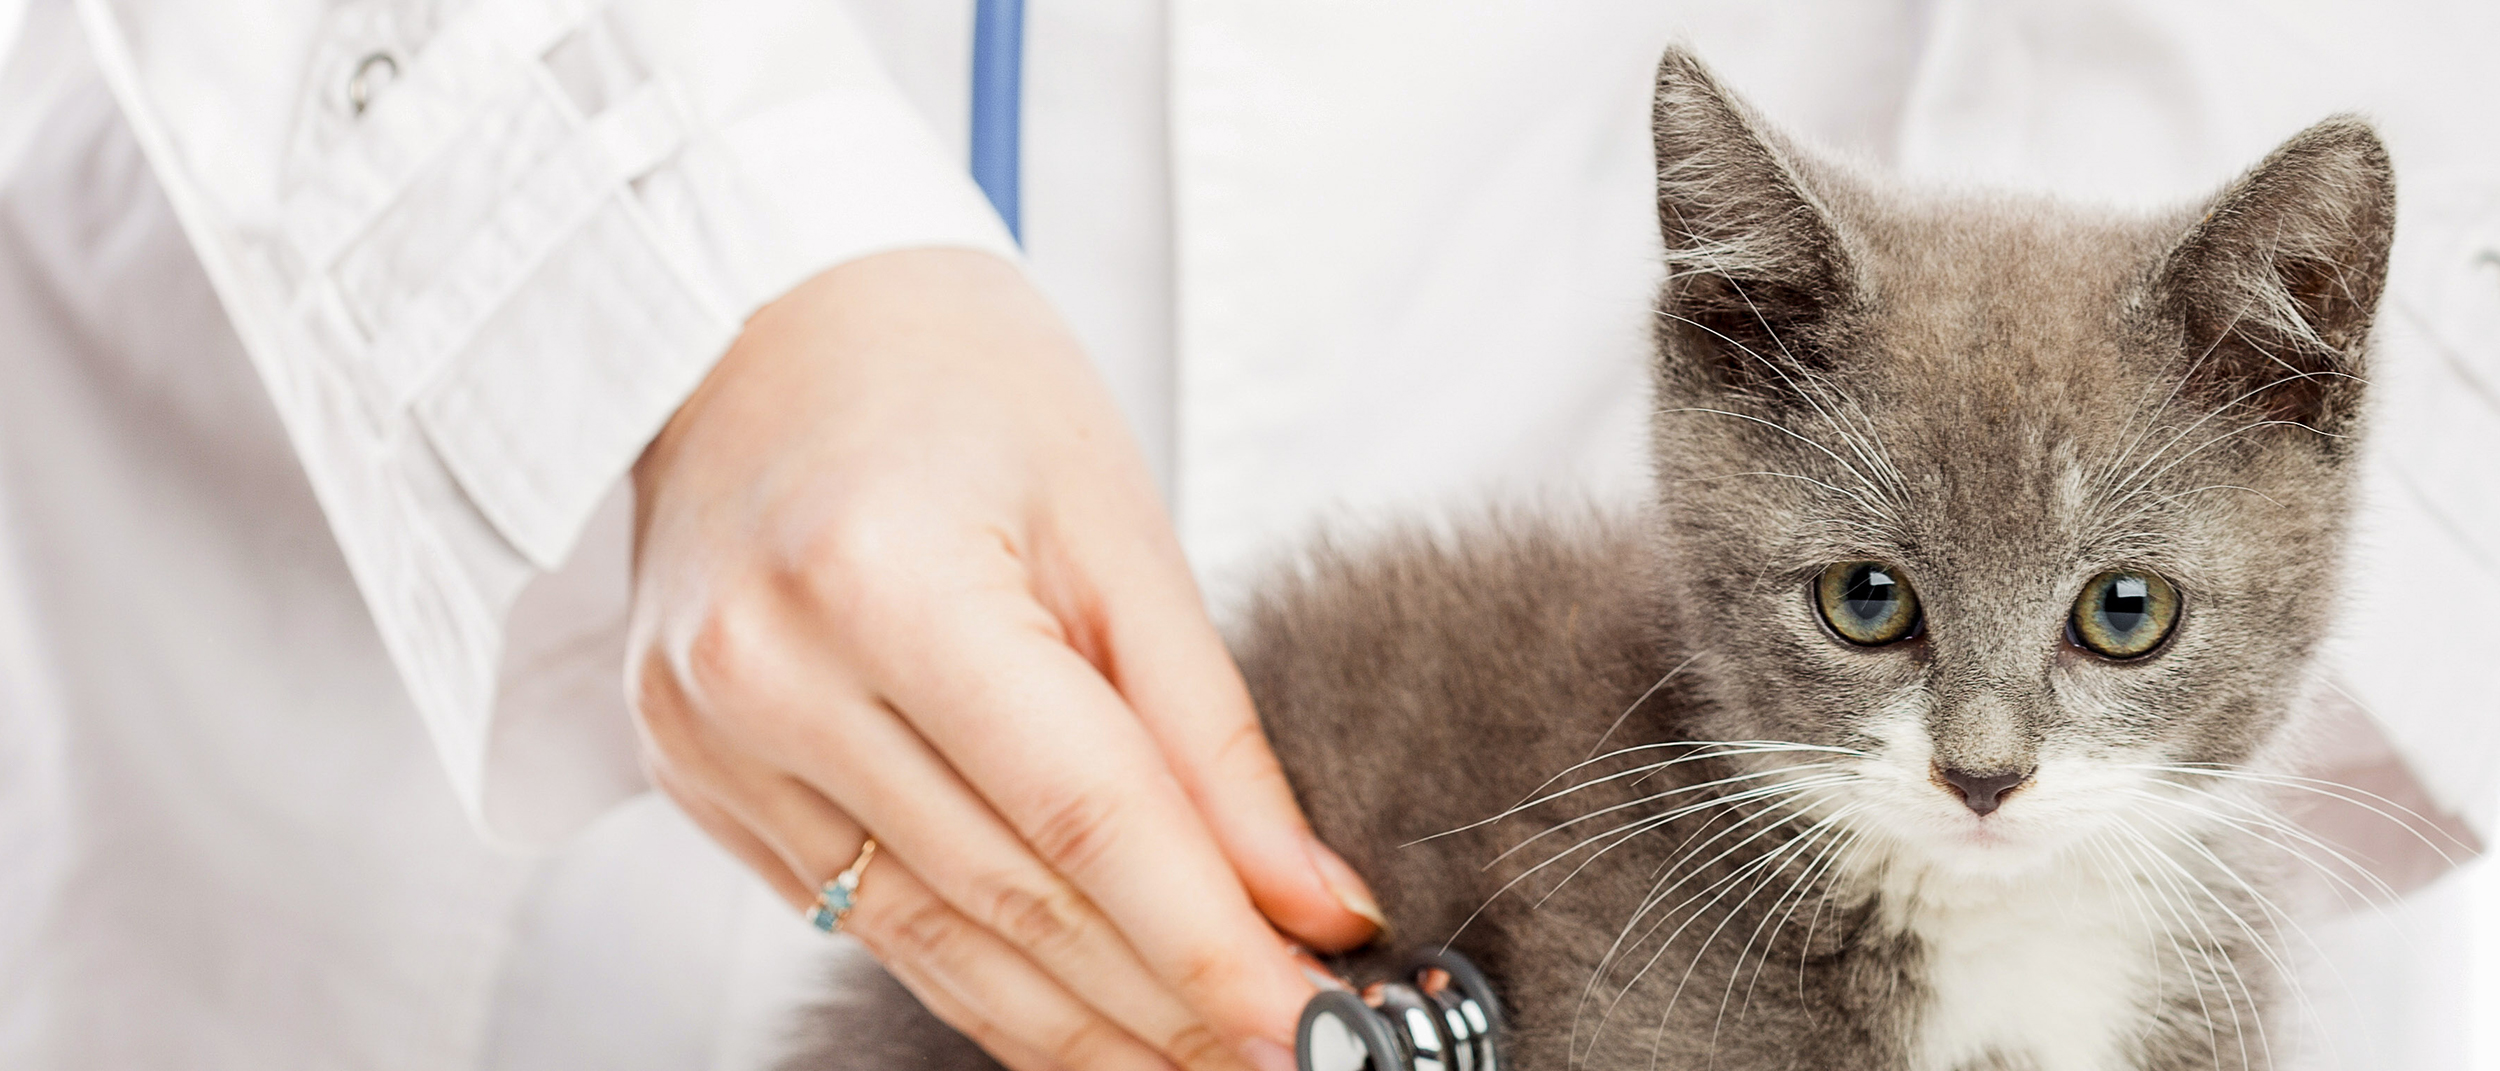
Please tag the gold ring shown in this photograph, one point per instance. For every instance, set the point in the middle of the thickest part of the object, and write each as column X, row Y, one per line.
column 836, row 898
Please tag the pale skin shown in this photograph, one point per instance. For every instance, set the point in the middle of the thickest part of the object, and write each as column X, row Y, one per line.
column 901, row 571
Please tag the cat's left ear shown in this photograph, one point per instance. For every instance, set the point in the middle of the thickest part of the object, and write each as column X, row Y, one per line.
column 1759, row 279
column 2274, row 288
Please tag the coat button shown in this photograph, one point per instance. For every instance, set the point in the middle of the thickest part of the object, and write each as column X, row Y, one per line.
column 372, row 73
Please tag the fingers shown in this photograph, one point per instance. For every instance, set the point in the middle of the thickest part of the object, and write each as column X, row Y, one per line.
column 1007, row 919
column 1058, row 755
column 1125, row 595
column 1175, row 672
column 834, row 557
column 943, row 830
column 944, row 955
column 965, row 974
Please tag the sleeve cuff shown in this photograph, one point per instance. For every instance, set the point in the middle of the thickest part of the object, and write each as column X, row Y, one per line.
column 554, row 394
column 476, row 299
column 613, row 328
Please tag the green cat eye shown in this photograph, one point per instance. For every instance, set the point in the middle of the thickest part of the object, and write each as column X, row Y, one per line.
column 1867, row 603
column 2124, row 614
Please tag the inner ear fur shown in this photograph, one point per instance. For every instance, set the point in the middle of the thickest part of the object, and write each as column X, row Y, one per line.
column 2273, row 290
column 1756, row 271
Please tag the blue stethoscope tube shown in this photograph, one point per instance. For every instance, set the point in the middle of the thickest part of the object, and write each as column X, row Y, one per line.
column 998, row 107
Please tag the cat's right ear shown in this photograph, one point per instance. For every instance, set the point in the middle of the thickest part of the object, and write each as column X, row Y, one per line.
column 1757, row 276
column 2273, row 289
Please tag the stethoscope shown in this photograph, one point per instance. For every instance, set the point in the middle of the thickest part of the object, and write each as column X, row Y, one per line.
column 1443, row 1016
column 998, row 107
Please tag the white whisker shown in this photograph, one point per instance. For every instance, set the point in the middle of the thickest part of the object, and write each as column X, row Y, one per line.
column 1627, row 711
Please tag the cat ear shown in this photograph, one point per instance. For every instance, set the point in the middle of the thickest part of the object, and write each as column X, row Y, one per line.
column 1756, row 272
column 2273, row 290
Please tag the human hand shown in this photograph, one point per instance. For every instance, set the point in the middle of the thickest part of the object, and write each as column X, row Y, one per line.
column 900, row 570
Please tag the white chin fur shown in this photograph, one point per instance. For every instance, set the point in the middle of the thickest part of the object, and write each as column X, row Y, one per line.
column 2036, row 947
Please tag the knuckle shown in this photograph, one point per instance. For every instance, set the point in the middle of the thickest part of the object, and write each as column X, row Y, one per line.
column 851, row 563
column 1244, row 753
column 871, row 597
column 924, row 932
column 653, row 690
column 1074, row 831
column 670, row 753
column 1088, row 1044
column 1197, row 1045
column 731, row 650
column 1204, row 969
column 1036, row 919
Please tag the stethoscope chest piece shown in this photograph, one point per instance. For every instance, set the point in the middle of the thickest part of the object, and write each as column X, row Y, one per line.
column 1443, row 1017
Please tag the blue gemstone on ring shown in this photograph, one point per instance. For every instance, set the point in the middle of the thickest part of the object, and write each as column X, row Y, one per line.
column 833, row 902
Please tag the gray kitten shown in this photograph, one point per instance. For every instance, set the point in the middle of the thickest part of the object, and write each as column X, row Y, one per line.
column 1917, row 724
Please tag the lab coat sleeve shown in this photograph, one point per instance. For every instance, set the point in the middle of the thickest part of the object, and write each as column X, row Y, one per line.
column 479, row 252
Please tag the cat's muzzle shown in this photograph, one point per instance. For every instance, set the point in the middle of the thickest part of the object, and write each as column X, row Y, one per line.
column 1443, row 1017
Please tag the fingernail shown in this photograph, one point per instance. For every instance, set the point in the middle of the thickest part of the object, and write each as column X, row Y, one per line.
column 1342, row 882
column 1264, row 1055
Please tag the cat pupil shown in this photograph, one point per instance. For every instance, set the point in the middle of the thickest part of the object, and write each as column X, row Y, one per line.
column 1871, row 595
column 2126, row 604
column 1866, row 603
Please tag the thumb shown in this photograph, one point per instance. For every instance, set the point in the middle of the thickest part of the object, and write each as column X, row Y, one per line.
column 1171, row 666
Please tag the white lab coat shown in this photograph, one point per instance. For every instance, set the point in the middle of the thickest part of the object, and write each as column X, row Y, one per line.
column 312, row 420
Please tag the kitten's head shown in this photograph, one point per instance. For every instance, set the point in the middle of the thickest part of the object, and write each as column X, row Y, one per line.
column 1997, row 491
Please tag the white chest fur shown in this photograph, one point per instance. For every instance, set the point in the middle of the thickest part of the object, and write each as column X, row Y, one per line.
column 2048, row 973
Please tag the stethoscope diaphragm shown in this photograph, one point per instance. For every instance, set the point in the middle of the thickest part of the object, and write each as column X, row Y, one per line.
column 1442, row 1017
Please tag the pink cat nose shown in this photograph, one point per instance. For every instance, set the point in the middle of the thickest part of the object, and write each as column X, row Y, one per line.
column 1982, row 792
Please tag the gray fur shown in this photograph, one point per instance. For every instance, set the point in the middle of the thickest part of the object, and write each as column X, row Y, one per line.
column 2003, row 397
